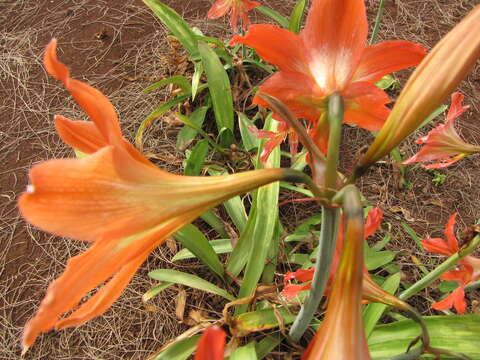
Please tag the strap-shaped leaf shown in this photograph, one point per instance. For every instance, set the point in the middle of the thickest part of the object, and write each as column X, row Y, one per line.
column 179, row 80
column 274, row 15
column 179, row 350
column 175, row 23
column 220, row 246
column 296, row 16
column 190, row 280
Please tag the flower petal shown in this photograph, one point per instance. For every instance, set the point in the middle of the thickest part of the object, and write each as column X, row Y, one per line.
column 291, row 290
column 300, row 275
column 81, row 135
column 384, row 58
column 450, row 233
column 455, row 299
column 219, row 8
column 93, row 102
column 456, row 107
column 365, row 105
column 335, row 34
column 211, row 345
column 277, row 46
column 437, row 246
column 374, row 219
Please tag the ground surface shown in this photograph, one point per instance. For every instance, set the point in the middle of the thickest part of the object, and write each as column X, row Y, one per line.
column 120, row 48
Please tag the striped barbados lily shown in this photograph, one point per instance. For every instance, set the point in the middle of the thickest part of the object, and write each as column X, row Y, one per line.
column 114, row 198
column 443, row 143
column 467, row 271
column 236, row 8
column 330, row 56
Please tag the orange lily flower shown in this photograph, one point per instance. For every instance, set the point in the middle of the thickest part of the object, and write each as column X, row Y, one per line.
column 114, row 198
column 468, row 269
column 329, row 55
column 342, row 334
column 429, row 86
column 211, row 345
column 236, row 8
column 443, row 143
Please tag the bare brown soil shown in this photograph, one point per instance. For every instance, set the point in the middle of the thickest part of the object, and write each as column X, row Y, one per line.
column 119, row 47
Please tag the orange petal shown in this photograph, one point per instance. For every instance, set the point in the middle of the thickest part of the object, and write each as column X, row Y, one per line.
column 86, row 271
column 374, row 219
column 450, row 233
column 81, row 135
column 92, row 101
column 438, row 246
column 211, row 345
column 291, row 290
column 277, row 46
column 105, row 297
column 365, row 106
column 219, row 8
column 335, row 34
column 387, row 57
column 455, row 299
column 456, row 108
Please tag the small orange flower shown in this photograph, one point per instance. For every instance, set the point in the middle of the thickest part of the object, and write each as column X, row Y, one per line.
column 443, row 143
column 467, row 271
column 236, row 8
column 330, row 56
column 114, row 198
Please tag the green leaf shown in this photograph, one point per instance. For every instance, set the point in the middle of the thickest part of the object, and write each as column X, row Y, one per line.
column 441, row 109
column 220, row 246
column 264, row 230
column 373, row 312
column 194, row 240
column 274, row 15
column 179, row 350
column 457, row 333
column 197, row 75
column 195, row 161
column 249, row 140
column 190, row 280
column 79, row 154
column 155, row 290
column 386, row 82
column 267, row 344
column 219, row 86
column 382, row 243
column 215, row 222
column 179, row 80
column 175, row 23
column 246, row 352
column 236, row 212
column 296, row 16
column 187, row 134
column 375, row 259
column 261, row 320
column 298, row 189
column 154, row 115
column 225, row 137
column 412, row 234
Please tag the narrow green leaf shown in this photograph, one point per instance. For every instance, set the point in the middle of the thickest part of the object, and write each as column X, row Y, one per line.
column 249, row 141
column 266, row 216
column 220, row 246
column 373, row 312
column 196, row 159
column 274, row 15
column 375, row 259
column 296, row 16
column 179, row 80
column 267, row 344
column 412, row 234
column 154, row 115
column 441, row 109
column 219, row 86
column 197, row 75
column 219, row 48
column 194, row 240
column 225, row 137
column 155, row 290
column 246, row 352
column 179, row 350
column 215, row 222
column 300, row 190
column 457, row 333
column 382, row 243
column 175, row 23
column 236, row 212
column 187, row 134
column 190, row 280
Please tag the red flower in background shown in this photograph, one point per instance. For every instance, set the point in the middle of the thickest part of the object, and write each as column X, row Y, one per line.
column 443, row 143
column 211, row 345
column 236, row 9
column 468, row 269
column 329, row 55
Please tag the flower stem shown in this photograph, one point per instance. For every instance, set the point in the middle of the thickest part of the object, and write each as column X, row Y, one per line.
column 439, row 270
column 328, row 234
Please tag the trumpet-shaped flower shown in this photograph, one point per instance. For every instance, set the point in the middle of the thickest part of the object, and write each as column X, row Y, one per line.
column 467, row 271
column 114, row 198
column 211, row 345
column 330, row 56
column 443, row 143
column 342, row 334
column 236, row 8
column 371, row 291
column 429, row 86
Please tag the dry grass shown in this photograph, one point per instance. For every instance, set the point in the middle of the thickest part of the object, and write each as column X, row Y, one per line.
column 135, row 49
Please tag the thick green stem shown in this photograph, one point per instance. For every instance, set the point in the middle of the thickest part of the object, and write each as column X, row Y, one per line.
column 335, row 119
column 328, row 236
column 439, row 270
